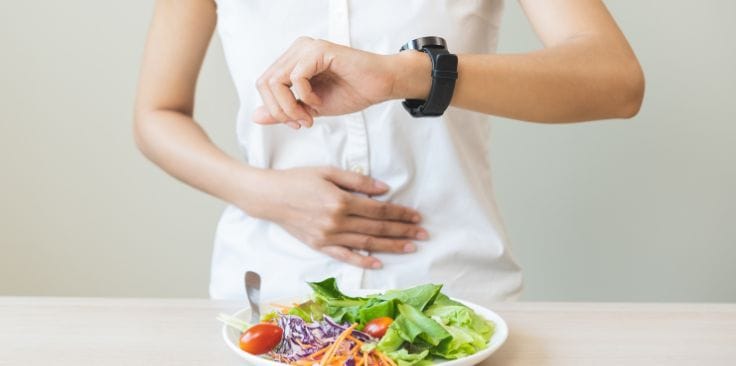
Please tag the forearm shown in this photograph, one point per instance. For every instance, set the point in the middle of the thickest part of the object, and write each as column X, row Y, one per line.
column 177, row 144
column 577, row 81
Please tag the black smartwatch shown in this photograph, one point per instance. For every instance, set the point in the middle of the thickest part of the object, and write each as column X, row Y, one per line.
column 444, row 75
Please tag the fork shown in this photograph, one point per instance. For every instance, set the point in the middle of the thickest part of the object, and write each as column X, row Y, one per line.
column 253, row 291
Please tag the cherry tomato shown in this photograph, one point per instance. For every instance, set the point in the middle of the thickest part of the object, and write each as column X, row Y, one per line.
column 377, row 327
column 261, row 338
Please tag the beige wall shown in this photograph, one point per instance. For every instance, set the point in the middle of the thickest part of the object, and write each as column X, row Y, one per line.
column 619, row 210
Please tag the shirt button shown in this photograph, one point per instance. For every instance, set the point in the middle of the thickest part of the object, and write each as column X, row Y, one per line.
column 358, row 169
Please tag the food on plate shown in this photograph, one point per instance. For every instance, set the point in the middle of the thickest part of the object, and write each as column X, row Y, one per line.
column 413, row 326
column 261, row 338
column 377, row 327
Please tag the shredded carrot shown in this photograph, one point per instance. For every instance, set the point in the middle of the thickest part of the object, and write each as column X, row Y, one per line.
column 342, row 354
column 329, row 355
column 356, row 340
column 384, row 358
column 341, row 350
column 319, row 352
column 378, row 360
column 303, row 362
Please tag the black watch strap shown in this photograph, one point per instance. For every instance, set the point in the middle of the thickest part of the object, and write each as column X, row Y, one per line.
column 444, row 75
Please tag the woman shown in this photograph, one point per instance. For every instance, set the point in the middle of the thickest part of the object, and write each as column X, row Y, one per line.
column 337, row 178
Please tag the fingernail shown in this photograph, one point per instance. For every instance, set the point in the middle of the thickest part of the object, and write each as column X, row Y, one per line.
column 302, row 122
column 376, row 265
column 380, row 185
column 416, row 218
column 409, row 248
column 422, row 235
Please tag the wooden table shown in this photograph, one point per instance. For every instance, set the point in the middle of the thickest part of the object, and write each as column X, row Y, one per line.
column 85, row 331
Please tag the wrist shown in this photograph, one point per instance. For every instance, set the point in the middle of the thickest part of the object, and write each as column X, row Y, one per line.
column 247, row 185
column 412, row 75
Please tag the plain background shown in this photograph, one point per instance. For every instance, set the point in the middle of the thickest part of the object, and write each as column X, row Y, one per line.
column 637, row 210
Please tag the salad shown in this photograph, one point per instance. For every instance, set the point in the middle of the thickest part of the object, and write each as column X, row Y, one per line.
column 406, row 327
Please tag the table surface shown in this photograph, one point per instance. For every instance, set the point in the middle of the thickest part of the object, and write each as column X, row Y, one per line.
column 97, row 331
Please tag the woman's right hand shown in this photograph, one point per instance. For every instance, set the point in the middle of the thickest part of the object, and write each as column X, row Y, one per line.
column 330, row 210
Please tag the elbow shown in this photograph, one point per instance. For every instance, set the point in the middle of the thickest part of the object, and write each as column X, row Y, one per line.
column 138, row 122
column 632, row 91
column 141, row 120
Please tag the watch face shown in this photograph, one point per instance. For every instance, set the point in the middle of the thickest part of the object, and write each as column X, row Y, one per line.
column 424, row 42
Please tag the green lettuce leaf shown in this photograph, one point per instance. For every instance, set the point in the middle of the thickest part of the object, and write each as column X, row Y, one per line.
column 426, row 322
column 309, row 311
column 419, row 296
column 470, row 332
column 376, row 308
column 464, row 342
column 403, row 358
column 337, row 305
column 411, row 326
column 342, row 314
column 392, row 340
column 327, row 290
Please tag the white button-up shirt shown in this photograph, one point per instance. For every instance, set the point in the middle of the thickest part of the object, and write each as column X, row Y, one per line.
column 439, row 166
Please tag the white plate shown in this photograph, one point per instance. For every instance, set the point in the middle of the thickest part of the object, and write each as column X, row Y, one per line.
column 232, row 336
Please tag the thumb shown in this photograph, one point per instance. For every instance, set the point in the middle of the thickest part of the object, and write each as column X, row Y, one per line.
column 355, row 182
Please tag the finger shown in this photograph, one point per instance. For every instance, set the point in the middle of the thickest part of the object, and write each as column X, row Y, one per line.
column 262, row 116
column 314, row 112
column 371, row 208
column 372, row 243
column 348, row 256
column 355, row 182
column 300, row 80
column 288, row 103
column 269, row 101
column 383, row 228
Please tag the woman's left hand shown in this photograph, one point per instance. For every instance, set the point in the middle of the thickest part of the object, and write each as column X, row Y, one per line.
column 327, row 78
